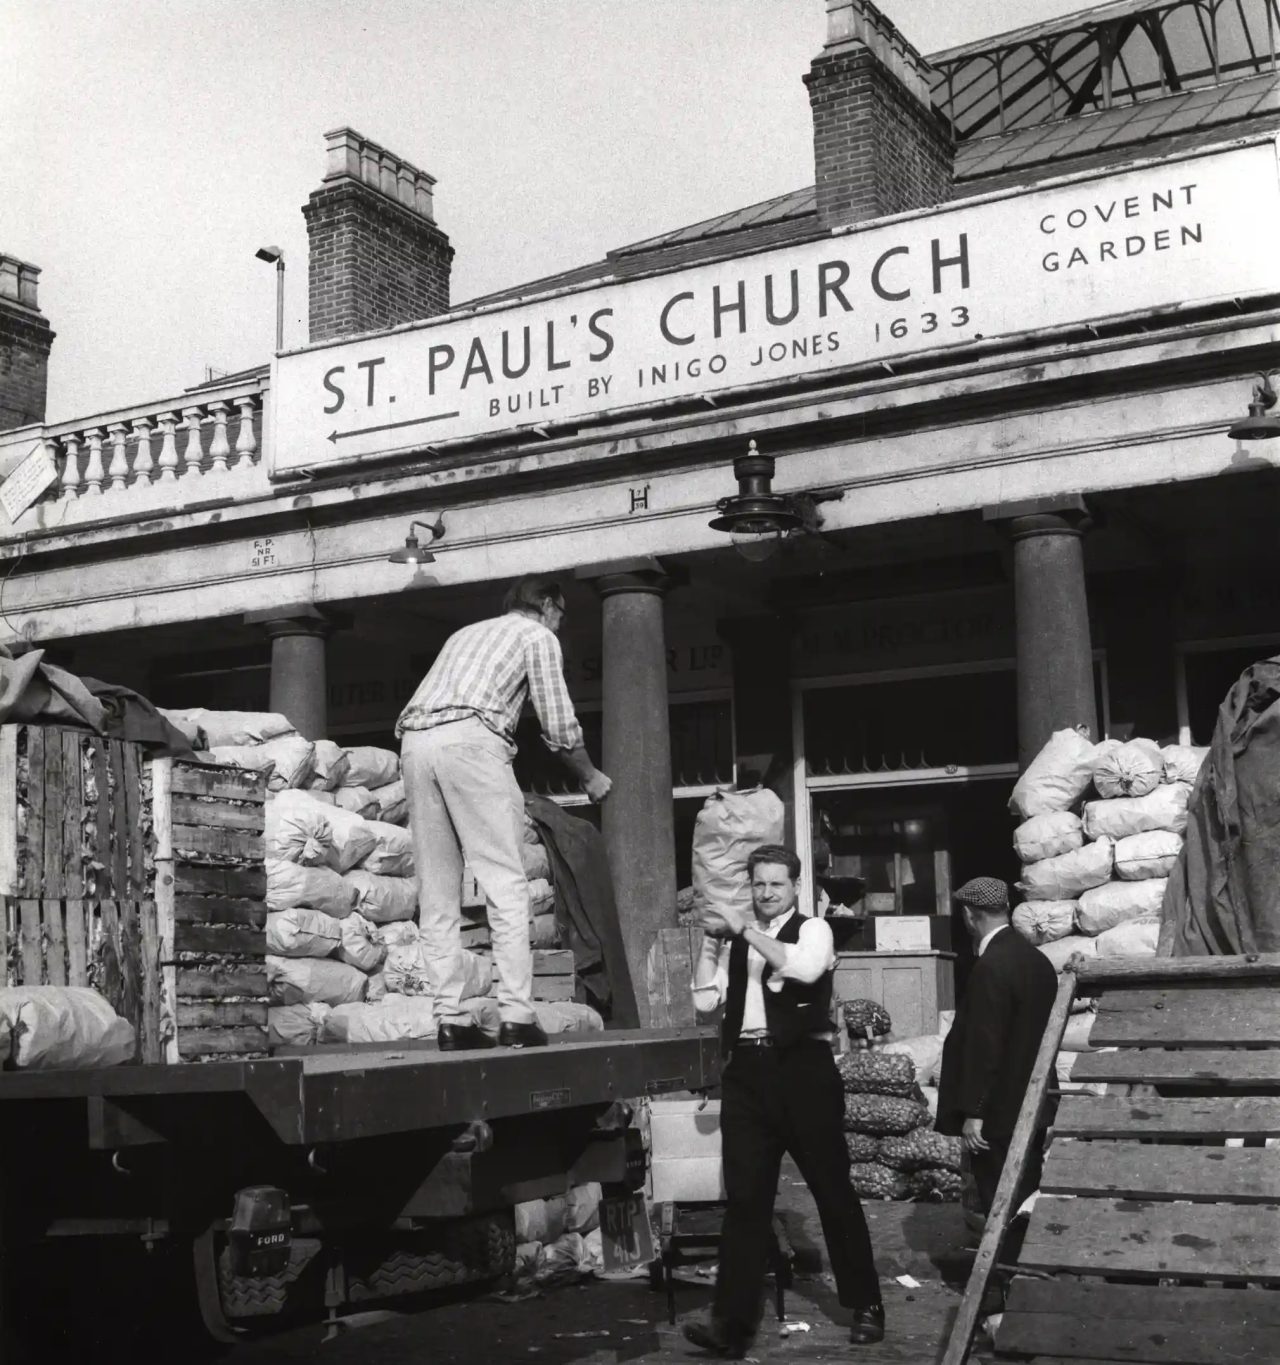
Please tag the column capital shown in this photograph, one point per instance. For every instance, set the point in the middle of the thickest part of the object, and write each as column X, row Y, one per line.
column 641, row 574
column 1069, row 516
column 301, row 619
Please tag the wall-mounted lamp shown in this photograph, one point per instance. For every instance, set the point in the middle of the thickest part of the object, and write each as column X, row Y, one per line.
column 1261, row 424
column 756, row 518
column 411, row 552
column 275, row 254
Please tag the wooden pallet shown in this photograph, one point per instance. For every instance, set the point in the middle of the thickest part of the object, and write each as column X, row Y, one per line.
column 1152, row 1239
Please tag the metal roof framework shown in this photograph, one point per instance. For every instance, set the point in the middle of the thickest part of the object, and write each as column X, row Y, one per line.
column 1116, row 54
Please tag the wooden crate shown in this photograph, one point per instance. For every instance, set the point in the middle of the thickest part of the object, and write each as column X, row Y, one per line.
column 553, row 974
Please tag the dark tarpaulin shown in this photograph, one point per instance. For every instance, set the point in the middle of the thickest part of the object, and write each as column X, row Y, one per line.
column 1223, row 896
column 586, row 910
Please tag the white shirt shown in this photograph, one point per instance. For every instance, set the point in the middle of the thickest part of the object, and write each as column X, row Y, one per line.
column 986, row 938
column 807, row 959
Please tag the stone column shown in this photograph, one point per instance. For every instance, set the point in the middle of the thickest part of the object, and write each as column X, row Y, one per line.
column 637, row 818
column 299, row 680
column 1051, row 608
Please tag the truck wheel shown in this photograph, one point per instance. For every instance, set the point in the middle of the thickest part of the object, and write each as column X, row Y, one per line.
column 437, row 1256
column 245, row 1296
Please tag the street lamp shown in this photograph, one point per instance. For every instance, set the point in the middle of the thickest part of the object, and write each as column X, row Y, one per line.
column 411, row 552
column 756, row 518
column 276, row 254
column 1261, row 424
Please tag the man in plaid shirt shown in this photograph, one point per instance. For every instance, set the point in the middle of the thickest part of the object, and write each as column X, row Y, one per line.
column 457, row 743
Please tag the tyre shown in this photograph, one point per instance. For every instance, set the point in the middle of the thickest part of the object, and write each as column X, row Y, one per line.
column 253, row 1296
column 439, row 1255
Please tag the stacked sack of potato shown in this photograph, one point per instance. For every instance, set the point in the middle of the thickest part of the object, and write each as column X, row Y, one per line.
column 893, row 1150
column 544, row 929
column 558, row 1240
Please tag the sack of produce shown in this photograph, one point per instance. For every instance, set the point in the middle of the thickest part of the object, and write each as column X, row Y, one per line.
column 231, row 728
column 353, row 839
column 370, row 767
column 300, row 980
column 358, row 946
column 300, row 932
column 862, row 1146
column 881, row 1115
column 382, row 899
column 393, row 1019
column 67, row 1027
column 1182, row 762
column 542, row 898
column 1044, row 921
column 1154, row 854
column 1133, row 938
column 291, row 759
column 1131, row 769
column 544, row 932
column 871, row 1180
column 296, row 1025
column 925, row 1052
column 566, row 1260
column 537, row 866
column 1075, row 1037
column 406, row 971
column 542, row 1220
column 865, row 1019
column 1056, row 778
column 567, row 1016
column 1106, row 906
column 877, row 1073
column 392, row 853
column 1063, row 878
column 392, row 806
column 298, row 829
column 936, row 1184
column 328, row 766
column 320, row 888
column 1062, row 950
column 923, row 1147
column 358, row 800
column 187, row 726
column 729, row 825
column 1046, row 836
column 1164, row 808
column 582, row 1207
column 376, row 989
column 398, row 931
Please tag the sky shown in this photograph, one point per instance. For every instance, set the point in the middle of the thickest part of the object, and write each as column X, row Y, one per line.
column 151, row 146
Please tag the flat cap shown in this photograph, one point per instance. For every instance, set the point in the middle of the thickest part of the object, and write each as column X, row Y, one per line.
column 984, row 893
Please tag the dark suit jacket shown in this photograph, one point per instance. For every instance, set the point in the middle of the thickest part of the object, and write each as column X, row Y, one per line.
column 989, row 1054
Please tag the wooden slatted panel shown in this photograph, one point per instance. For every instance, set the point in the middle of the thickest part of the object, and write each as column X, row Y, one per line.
column 218, row 938
column 1135, row 1170
column 53, row 880
column 1220, row 1068
column 203, row 1013
column 152, row 984
column 9, row 810
column 217, row 814
column 56, row 942
column 193, row 1043
column 31, row 881
column 1215, row 1017
column 223, row 843
column 219, row 910
column 1153, row 1240
column 1170, row 1325
column 232, row 784
column 72, row 814
column 29, row 942
column 77, row 943
column 106, row 882
column 1201, row 1118
column 197, row 879
column 553, row 988
column 217, row 982
column 553, row 961
column 132, row 763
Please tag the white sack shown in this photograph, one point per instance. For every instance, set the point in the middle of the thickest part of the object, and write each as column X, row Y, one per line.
column 406, row 971
column 320, row 888
column 1153, row 854
column 358, row 946
column 392, row 806
column 537, row 866
column 1061, row 950
column 1075, row 1037
column 1063, row 878
column 542, row 897
column 392, row 854
column 1164, row 808
column 565, row 1260
column 254, row 757
column 376, row 989
column 544, row 932
column 1182, row 762
column 300, row 980
column 353, row 840
column 291, row 761
column 236, row 728
column 296, row 1025
column 358, row 800
column 399, row 1018
column 298, row 829
column 1045, row 921
column 924, row 1051
column 383, row 899
column 1106, row 906
column 541, row 1220
column 328, row 766
column 63, row 1027
column 567, row 1016
column 582, row 1207
column 1133, row 938
column 370, row 767
column 1047, row 836
column 300, row 932
column 398, row 931
column 729, row 825
column 1056, row 778
column 1131, row 769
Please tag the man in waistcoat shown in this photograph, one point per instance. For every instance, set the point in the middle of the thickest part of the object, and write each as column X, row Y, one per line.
column 780, row 1094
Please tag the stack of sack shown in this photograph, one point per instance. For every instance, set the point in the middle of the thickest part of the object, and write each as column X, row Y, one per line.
column 893, row 1150
column 558, row 1240
column 544, row 930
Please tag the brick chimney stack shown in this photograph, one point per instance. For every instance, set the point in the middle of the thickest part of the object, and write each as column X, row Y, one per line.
column 377, row 257
column 25, row 341
column 879, row 145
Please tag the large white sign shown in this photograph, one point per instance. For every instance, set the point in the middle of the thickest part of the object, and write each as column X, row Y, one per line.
column 1181, row 232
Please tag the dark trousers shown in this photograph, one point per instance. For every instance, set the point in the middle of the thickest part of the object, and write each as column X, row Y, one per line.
column 776, row 1101
column 986, row 1167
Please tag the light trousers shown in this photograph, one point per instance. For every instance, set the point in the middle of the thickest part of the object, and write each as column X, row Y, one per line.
column 464, row 804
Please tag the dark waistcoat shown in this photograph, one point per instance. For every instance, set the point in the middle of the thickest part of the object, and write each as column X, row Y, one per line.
column 796, row 1012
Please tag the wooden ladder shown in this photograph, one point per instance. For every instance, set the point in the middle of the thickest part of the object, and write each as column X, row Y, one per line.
column 1152, row 1240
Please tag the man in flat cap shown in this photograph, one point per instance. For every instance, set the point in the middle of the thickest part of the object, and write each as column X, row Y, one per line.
column 989, row 1054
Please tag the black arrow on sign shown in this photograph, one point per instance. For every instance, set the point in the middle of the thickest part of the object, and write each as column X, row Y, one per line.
column 335, row 436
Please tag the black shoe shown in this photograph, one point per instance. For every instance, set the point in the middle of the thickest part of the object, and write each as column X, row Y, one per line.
column 868, row 1325
column 715, row 1341
column 461, row 1037
column 522, row 1035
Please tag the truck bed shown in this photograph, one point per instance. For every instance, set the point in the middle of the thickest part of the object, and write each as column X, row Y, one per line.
column 336, row 1094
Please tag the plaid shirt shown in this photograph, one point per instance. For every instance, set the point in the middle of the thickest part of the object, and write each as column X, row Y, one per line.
column 487, row 670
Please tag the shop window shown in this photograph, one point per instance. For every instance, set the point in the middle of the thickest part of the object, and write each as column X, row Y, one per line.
column 885, row 857
column 1208, row 676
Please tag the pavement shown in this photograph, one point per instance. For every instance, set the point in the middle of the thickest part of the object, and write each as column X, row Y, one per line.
column 605, row 1322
